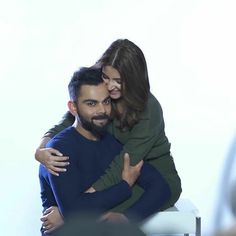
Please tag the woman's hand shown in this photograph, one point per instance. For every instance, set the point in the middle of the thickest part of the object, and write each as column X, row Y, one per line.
column 52, row 159
column 51, row 219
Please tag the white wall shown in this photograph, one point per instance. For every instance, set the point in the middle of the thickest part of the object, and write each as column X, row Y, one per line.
column 190, row 49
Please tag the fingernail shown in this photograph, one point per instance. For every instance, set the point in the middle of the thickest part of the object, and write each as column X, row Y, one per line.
column 64, row 170
column 68, row 163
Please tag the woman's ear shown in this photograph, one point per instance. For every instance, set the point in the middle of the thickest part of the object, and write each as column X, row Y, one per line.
column 72, row 108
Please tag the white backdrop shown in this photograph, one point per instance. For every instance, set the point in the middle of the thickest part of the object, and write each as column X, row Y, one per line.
column 190, row 50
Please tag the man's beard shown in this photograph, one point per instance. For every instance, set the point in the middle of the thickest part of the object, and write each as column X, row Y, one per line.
column 90, row 126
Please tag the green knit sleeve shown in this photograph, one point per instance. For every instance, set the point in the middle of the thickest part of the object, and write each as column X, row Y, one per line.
column 144, row 141
column 66, row 121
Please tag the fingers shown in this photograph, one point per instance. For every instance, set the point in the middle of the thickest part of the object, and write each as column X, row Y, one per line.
column 50, row 229
column 44, row 218
column 55, row 165
column 53, row 172
column 90, row 190
column 104, row 217
column 55, row 152
column 46, row 224
column 59, row 159
column 53, row 160
column 48, row 210
column 139, row 165
column 126, row 162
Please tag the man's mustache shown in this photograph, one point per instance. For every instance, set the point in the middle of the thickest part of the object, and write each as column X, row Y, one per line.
column 101, row 117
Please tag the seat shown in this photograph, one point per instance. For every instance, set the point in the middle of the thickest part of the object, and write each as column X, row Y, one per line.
column 183, row 218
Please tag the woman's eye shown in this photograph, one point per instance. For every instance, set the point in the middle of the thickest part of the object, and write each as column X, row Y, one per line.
column 107, row 101
column 104, row 77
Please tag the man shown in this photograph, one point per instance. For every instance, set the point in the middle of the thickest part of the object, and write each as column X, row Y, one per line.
column 91, row 150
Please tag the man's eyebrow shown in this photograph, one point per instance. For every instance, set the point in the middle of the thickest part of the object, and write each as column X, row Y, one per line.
column 93, row 100
column 89, row 100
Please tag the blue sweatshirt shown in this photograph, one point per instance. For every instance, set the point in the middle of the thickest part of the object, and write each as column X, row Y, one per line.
column 88, row 161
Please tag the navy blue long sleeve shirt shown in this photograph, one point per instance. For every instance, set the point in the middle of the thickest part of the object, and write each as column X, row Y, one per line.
column 88, row 161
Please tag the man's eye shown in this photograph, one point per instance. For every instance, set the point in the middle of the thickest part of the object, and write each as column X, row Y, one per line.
column 91, row 104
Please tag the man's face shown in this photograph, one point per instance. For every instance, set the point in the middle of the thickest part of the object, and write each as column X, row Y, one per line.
column 94, row 108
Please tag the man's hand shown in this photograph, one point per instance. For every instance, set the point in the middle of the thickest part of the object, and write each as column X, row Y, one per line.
column 114, row 217
column 52, row 159
column 131, row 173
column 51, row 219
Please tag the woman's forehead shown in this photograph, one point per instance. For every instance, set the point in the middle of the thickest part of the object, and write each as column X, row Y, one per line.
column 111, row 72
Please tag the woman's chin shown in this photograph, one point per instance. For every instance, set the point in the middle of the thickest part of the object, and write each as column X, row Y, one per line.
column 115, row 96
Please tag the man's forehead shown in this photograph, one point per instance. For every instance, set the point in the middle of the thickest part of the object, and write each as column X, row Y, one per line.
column 94, row 92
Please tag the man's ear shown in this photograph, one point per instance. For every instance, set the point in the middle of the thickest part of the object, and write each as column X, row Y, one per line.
column 72, row 108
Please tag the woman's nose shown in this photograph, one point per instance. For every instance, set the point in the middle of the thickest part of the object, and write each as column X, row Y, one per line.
column 110, row 84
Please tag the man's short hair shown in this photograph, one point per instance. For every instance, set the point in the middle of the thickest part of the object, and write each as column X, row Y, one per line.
column 84, row 76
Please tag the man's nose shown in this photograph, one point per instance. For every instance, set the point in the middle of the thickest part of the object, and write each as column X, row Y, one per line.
column 101, row 108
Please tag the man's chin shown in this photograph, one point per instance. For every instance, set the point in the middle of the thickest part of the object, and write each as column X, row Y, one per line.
column 99, row 132
column 100, row 123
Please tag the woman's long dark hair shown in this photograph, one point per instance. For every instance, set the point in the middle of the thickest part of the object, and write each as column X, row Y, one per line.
column 128, row 59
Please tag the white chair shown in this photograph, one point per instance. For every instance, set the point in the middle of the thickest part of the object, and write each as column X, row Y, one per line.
column 183, row 218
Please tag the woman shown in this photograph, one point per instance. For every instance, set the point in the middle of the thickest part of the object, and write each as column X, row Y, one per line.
column 137, row 121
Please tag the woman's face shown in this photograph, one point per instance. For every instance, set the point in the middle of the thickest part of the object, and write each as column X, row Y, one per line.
column 113, row 81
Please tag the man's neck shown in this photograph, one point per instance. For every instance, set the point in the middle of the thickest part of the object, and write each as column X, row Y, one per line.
column 87, row 134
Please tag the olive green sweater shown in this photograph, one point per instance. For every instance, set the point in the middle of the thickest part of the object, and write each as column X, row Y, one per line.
column 147, row 141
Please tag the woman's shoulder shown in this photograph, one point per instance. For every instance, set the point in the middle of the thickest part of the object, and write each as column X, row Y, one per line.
column 153, row 106
column 152, row 100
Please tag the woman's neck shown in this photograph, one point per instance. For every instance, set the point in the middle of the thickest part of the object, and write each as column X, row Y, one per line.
column 120, row 107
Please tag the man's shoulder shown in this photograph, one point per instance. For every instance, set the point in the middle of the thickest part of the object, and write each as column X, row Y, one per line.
column 62, row 137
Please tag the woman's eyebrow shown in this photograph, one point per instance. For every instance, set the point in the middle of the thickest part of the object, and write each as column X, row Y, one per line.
column 109, row 77
column 108, row 97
